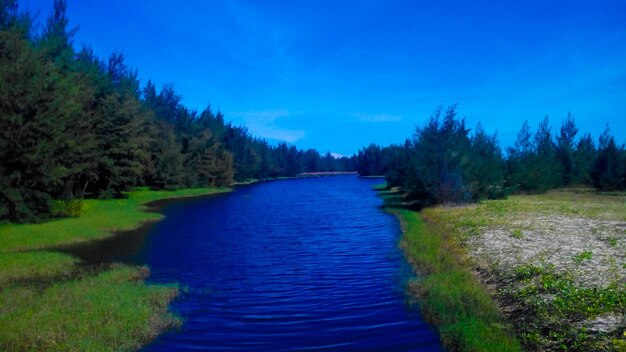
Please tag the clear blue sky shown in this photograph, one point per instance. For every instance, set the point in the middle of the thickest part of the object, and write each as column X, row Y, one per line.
column 337, row 75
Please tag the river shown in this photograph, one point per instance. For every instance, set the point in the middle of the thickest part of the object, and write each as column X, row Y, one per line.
column 302, row 264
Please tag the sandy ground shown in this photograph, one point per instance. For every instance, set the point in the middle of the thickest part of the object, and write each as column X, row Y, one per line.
column 558, row 240
column 577, row 236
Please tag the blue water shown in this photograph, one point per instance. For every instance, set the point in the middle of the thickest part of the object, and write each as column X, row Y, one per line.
column 305, row 264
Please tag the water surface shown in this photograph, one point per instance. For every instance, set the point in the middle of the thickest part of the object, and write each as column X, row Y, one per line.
column 305, row 264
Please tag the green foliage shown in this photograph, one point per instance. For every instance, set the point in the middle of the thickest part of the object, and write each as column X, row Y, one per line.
column 67, row 208
column 517, row 233
column 584, row 156
column 449, row 295
column 445, row 164
column 74, row 126
column 51, row 303
column 565, row 149
column 551, row 307
column 113, row 311
column 98, row 219
column 33, row 116
column 582, row 256
column 533, row 164
column 609, row 167
column 371, row 161
column 39, row 266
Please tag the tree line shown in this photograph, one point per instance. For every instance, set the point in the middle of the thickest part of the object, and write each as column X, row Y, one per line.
column 446, row 162
column 73, row 125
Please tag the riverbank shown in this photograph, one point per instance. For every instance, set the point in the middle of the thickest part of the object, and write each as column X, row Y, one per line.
column 449, row 295
column 51, row 302
column 553, row 263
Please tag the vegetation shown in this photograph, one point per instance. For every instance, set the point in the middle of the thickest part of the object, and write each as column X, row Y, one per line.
column 447, row 163
column 73, row 126
column 558, row 296
column 98, row 220
column 109, row 308
column 111, row 311
column 450, row 297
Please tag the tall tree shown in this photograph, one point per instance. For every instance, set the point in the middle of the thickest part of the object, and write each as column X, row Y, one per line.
column 119, row 125
column 565, row 149
column 485, row 174
column 584, row 155
column 545, row 172
column 56, row 40
column 608, row 168
column 8, row 14
column 32, row 129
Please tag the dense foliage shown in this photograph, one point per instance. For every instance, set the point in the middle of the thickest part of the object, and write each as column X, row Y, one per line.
column 446, row 162
column 73, row 126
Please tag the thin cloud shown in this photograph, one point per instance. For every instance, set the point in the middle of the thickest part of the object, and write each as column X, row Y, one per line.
column 265, row 124
column 377, row 117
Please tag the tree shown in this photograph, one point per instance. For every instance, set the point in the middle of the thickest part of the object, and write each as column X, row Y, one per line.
column 370, row 161
column 565, row 149
column 519, row 159
column 398, row 164
column 436, row 173
column 120, row 125
column 56, row 40
column 8, row 14
column 545, row 170
column 584, row 155
column 33, row 118
column 485, row 174
column 608, row 168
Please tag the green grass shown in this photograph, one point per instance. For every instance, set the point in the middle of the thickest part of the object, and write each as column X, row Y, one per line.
column 449, row 295
column 24, row 267
column 113, row 311
column 99, row 219
column 49, row 302
column 582, row 256
column 517, row 233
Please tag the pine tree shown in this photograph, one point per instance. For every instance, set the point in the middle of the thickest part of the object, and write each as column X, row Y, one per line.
column 545, row 171
column 56, row 40
column 608, row 168
column 485, row 172
column 33, row 119
column 120, row 121
column 565, row 149
column 8, row 14
column 583, row 156
column 519, row 158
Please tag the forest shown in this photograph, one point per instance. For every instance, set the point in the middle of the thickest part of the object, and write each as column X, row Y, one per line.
column 74, row 126
column 446, row 162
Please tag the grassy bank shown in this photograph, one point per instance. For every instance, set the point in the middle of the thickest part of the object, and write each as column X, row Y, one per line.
column 450, row 297
column 554, row 264
column 49, row 302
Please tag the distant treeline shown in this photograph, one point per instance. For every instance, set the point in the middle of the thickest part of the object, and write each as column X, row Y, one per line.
column 445, row 162
column 74, row 126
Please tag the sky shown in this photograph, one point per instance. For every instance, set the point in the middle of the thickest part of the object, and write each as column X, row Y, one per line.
column 338, row 75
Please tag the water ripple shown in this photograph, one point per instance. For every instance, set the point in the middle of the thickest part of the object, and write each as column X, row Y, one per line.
column 294, row 265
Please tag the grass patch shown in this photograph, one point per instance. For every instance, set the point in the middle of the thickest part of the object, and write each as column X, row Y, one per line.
column 34, row 267
column 113, row 311
column 517, row 233
column 582, row 256
column 48, row 302
column 99, row 219
column 450, row 297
